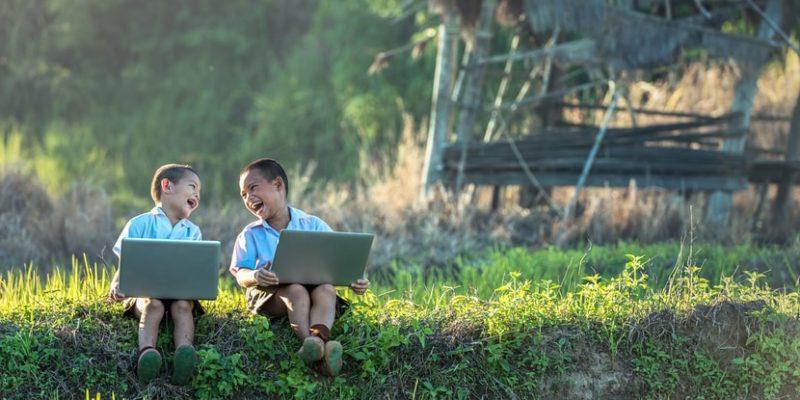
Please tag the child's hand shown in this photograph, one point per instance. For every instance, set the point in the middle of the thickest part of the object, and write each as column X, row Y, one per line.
column 359, row 286
column 114, row 294
column 265, row 277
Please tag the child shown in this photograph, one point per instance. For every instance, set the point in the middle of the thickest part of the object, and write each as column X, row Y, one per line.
column 311, row 309
column 176, row 192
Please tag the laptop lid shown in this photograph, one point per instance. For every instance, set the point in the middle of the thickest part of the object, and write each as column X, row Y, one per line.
column 314, row 258
column 169, row 269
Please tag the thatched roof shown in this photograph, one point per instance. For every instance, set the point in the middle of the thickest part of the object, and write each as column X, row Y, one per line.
column 629, row 39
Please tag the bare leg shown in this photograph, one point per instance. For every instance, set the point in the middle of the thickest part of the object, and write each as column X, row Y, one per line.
column 150, row 313
column 181, row 311
column 323, row 305
column 293, row 301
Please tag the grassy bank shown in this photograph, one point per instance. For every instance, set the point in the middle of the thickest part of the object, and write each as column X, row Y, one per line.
column 495, row 329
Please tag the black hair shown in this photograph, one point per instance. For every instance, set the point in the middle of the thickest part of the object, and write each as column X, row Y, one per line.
column 269, row 169
column 172, row 172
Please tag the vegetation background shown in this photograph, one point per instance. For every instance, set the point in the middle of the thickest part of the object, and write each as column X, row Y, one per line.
column 96, row 94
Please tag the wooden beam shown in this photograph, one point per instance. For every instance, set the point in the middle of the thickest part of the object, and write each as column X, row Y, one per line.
column 440, row 103
column 578, row 52
column 720, row 203
column 602, row 180
column 648, row 111
column 473, row 88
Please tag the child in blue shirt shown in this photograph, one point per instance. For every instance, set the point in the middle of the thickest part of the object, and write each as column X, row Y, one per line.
column 310, row 309
column 175, row 189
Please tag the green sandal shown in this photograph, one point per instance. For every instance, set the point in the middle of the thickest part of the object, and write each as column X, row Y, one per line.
column 331, row 363
column 185, row 360
column 148, row 364
column 312, row 349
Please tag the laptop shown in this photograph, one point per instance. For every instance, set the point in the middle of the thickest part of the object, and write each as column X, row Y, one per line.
column 169, row 269
column 314, row 258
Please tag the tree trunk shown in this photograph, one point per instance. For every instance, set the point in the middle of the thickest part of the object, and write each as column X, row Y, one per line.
column 720, row 202
column 440, row 104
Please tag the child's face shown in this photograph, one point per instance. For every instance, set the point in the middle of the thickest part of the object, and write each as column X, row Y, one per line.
column 182, row 197
column 262, row 197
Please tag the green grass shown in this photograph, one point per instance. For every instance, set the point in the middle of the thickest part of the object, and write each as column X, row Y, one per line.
column 482, row 274
column 511, row 323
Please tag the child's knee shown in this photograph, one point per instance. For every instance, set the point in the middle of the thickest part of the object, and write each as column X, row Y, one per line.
column 152, row 307
column 296, row 292
column 181, row 307
column 326, row 290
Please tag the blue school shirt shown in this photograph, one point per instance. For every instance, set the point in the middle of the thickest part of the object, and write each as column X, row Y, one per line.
column 255, row 246
column 156, row 225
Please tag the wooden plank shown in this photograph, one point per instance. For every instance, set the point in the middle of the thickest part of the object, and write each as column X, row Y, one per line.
column 578, row 52
column 597, row 180
column 638, row 110
column 503, row 152
column 621, row 165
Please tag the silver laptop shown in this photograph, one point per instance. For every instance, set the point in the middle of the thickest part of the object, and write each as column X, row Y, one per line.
column 314, row 258
column 169, row 269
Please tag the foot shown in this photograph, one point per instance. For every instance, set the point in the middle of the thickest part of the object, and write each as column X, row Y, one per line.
column 313, row 349
column 148, row 364
column 185, row 360
column 331, row 363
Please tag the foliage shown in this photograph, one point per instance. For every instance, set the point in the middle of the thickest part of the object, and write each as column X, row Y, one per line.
column 526, row 338
column 105, row 91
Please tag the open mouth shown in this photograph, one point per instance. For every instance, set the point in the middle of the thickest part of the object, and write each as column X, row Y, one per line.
column 256, row 207
column 192, row 203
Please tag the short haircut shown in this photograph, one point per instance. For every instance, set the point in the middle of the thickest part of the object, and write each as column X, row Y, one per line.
column 269, row 169
column 172, row 172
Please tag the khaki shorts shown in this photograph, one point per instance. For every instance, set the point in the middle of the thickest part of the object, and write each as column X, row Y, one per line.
column 256, row 297
column 129, row 307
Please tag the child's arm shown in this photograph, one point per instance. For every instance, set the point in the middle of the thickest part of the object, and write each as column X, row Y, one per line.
column 130, row 228
column 245, row 265
column 256, row 277
column 114, row 293
column 360, row 286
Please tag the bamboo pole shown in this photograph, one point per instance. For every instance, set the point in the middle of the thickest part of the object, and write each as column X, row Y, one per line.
column 592, row 153
column 774, row 26
column 501, row 90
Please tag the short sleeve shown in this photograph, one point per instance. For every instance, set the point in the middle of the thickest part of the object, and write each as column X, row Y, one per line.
column 321, row 225
column 131, row 229
column 244, row 253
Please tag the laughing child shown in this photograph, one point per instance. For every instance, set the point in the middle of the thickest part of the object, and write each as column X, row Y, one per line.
column 176, row 192
column 264, row 188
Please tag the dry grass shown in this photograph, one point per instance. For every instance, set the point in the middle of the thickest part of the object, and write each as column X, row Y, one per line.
column 29, row 225
column 435, row 232
column 88, row 225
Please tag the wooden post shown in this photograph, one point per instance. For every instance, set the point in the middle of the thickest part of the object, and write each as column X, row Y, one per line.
column 440, row 103
column 781, row 209
column 473, row 88
column 720, row 202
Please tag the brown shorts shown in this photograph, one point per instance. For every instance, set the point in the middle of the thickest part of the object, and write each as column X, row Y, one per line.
column 129, row 306
column 256, row 297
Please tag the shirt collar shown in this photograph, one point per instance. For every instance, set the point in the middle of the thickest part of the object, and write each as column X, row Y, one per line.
column 158, row 211
column 288, row 224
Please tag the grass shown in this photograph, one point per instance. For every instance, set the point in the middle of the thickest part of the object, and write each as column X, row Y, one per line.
column 496, row 329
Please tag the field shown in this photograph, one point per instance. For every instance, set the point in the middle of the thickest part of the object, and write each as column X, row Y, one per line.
column 621, row 321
